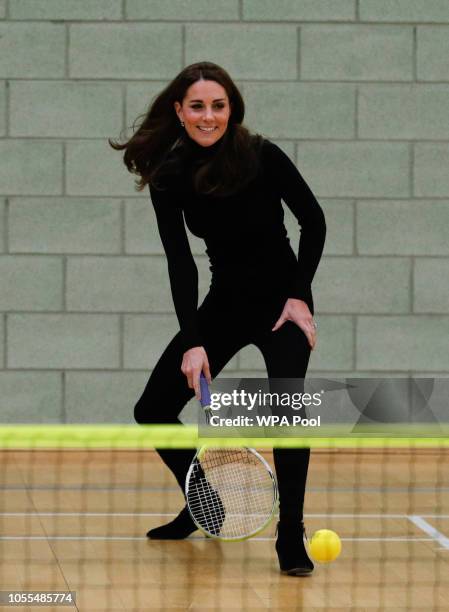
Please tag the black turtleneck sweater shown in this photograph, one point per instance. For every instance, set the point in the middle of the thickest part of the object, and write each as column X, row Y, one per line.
column 246, row 240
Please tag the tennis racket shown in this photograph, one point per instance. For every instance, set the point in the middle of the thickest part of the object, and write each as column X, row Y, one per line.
column 231, row 492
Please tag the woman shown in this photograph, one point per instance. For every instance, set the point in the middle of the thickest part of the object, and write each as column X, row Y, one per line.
column 204, row 166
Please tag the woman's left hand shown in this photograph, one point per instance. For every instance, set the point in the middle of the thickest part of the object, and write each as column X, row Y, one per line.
column 298, row 312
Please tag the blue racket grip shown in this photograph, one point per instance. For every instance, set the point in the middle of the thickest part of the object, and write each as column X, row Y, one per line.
column 205, row 393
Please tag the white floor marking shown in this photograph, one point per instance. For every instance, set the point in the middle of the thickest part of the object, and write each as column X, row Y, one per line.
column 201, row 538
column 436, row 535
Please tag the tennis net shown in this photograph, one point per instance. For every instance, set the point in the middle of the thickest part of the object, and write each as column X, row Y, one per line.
column 78, row 500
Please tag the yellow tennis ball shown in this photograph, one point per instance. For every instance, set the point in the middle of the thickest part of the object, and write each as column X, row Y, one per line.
column 325, row 545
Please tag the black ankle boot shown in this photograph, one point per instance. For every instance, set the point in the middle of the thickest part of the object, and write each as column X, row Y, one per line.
column 178, row 529
column 292, row 554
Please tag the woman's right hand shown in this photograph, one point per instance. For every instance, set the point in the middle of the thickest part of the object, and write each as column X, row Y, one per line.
column 194, row 362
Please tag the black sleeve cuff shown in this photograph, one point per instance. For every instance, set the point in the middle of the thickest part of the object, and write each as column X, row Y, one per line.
column 190, row 340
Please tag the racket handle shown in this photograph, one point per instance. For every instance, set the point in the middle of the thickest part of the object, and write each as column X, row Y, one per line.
column 205, row 393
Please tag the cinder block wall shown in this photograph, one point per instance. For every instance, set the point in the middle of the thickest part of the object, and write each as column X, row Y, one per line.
column 356, row 92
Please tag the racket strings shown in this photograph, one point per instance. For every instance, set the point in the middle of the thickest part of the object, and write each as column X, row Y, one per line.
column 226, row 456
column 230, row 490
column 204, row 502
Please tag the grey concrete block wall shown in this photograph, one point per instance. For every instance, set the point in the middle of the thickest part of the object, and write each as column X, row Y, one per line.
column 2, row 108
column 356, row 92
column 2, row 224
column 66, row 9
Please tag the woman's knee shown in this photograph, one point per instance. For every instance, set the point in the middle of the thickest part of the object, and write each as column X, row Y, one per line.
column 166, row 390
column 163, row 398
column 145, row 414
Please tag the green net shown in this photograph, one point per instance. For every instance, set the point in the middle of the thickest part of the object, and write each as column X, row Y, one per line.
column 77, row 502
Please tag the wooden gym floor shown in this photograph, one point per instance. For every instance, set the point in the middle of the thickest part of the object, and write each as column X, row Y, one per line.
column 76, row 521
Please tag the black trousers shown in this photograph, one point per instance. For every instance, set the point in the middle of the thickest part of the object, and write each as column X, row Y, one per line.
column 226, row 327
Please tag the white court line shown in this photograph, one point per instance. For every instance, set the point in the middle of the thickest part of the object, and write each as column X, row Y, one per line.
column 436, row 535
column 202, row 538
column 130, row 514
column 373, row 539
column 148, row 489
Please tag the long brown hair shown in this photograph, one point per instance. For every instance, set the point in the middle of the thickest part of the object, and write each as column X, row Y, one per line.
column 157, row 148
